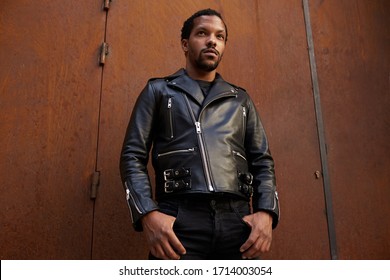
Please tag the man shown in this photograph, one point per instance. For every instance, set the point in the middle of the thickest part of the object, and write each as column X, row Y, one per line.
column 210, row 156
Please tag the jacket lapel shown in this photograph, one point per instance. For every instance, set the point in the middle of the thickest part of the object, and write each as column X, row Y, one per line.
column 220, row 87
column 182, row 81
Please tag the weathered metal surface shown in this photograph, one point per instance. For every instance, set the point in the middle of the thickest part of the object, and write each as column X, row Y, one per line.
column 49, row 105
column 267, row 55
column 50, row 83
column 285, row 99
column 321, row 133
column 352, row 50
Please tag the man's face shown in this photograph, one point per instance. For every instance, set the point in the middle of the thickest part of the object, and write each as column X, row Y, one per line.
column 204, row 49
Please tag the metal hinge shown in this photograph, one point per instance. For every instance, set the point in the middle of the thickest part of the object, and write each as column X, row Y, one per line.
column 106, row 4
column 95, row 184
column 103, row 53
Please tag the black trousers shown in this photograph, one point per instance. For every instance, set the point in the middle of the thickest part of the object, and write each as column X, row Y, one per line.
column 208, row 227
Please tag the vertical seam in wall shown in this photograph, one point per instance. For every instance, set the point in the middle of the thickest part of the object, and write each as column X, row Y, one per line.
column 98, row 138
column 321, row 132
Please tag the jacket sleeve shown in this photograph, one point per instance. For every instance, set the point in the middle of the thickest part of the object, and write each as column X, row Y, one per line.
column 261, row 165
column 135, row 156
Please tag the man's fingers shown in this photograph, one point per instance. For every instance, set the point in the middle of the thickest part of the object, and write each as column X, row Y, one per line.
column 164, row 251
column 260, row 238
column 176, row 244
column 172, row 247
column 248, row 243
column 170, row 253
column 162, row 240
column 253, row 248
column 158, row 252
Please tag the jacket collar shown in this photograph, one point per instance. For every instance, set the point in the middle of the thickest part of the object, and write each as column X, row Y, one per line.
column 181, row 80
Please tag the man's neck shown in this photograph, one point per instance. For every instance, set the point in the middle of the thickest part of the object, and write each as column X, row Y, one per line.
column 201, row 75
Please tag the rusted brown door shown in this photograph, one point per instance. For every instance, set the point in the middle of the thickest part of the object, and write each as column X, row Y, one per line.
column 267, row 58
column 49, row 107
column 352, row 50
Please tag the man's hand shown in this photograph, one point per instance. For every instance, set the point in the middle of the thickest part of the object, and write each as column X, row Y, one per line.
column 163, row 242
column 260, row 238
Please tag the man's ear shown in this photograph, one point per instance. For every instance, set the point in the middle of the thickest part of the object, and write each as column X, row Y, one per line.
column 184, row 45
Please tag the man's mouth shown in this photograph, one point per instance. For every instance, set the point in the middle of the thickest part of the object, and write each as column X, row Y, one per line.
column 211, row 51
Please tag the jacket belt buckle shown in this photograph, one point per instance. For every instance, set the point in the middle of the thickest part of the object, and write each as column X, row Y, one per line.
column 168, row 174
column 168, row 188
column 177, row 179
column 172, row 186
column 247, row 190
column 172, row 174
column 246, row 186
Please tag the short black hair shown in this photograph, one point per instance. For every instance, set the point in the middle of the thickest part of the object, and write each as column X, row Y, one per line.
column 188, row 25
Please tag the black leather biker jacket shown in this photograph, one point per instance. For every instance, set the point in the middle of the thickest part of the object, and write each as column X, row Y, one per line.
column 200, row 145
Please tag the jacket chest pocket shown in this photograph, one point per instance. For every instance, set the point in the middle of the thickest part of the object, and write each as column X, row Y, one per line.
column 244, row 120
column 167, row 118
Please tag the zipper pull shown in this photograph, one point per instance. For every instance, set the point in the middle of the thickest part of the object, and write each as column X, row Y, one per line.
column 127, row 194
column 198, row 130
column 244, row 111
column 169, row 103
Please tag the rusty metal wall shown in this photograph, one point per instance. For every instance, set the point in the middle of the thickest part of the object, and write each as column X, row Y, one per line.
column 49, row 105
column 267, row 55
column 62, row 116
column 352, row 50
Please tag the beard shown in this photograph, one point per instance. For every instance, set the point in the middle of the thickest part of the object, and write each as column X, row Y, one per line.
column 206, row 64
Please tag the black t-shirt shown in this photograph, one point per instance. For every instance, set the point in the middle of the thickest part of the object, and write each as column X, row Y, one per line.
column 205, row 86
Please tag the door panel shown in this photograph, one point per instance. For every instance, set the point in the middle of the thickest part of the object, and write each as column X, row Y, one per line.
column 352, row 50
column 138, row 51
column 49, row 106
column 282, row 88
column 267, row 55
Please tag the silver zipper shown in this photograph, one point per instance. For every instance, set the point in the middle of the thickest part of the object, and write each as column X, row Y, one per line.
column 243, row 122
column 199, row 133
column 176, row 151
column 239, row 155
column 201, row 144
column 129, row 196
column 170, row 116
column 203, row 153
column 276, row 202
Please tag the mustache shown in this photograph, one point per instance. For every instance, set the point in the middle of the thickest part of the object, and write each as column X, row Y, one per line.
column 205, row 50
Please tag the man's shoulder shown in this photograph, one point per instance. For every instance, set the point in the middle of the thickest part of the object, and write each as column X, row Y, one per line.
column 156, row 80
column 167, row 78
column 238, row 88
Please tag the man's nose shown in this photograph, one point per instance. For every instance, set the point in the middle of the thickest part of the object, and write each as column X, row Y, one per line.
column 211, row 41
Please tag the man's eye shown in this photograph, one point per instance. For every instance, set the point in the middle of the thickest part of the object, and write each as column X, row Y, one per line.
column 222, row 37
column 201, row 33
